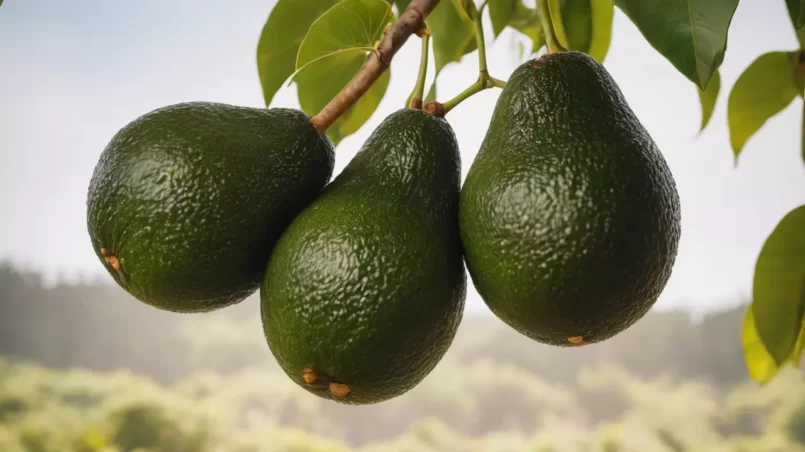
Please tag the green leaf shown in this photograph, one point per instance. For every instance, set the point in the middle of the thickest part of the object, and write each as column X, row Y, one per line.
column 321, row 81
column 500, row 12
column 526, row 21
column 464, row 7
column 765, row 88
column 801, row 36
column 401, row 5
column 778, row 291
column 759, row 362
column 351, row 27
column 603, row 12
column 587, row 26
column 555, row 9
column 333, row 52
column 279, row 42
column 799, row 347
column 796, row 10
column 578, row 24
column 691, row 34
column 452, row 34
column 431, row 96
column 708, row 99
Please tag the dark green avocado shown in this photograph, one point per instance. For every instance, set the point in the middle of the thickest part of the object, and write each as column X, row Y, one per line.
column 365, row 290
column 187, row 201
column 569, row 216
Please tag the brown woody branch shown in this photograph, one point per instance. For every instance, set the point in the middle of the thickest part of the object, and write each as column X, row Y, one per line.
column 411, row 21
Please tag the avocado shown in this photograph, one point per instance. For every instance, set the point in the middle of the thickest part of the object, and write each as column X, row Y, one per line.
column 569, row 215
column 365, row 289
column 187, row 201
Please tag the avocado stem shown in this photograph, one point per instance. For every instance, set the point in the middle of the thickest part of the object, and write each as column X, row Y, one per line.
column 485, row 81
column 547, row 27
column 480, row 41
column 419, row 89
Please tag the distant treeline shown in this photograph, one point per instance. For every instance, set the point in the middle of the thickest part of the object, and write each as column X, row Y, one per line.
column 86, row 368
column 101, row 327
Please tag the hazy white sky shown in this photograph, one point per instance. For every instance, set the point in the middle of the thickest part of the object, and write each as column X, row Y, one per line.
column 73, row 73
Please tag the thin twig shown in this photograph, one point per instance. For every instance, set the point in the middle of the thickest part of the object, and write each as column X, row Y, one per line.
column 411, row 21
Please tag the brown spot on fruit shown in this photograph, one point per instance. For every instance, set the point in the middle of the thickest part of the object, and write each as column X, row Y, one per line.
column 114, row 262
column 309, row 376
column 339, row 389
column 575, row 340
column 543, row 60
column 104, row 252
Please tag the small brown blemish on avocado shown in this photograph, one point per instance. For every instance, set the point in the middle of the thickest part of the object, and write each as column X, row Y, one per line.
column 544, row 59
column 340, row 389
column 309, row 376
column 575, row 340
column 114, row 262
column 104, row 252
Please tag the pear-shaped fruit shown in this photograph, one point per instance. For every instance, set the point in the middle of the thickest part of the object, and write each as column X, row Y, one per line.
column 187, row 201
column 569, row 216
column 365, row 289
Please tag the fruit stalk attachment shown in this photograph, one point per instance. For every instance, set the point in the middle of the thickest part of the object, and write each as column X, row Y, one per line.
column 411, row 21
column 547, row 27
column 419, row 89
column 485, row 81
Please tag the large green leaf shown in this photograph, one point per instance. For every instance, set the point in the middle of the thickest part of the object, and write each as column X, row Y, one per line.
column 691, row 34
column 799, row 347
column 452, row 33
column 556, row 13
column 708, row 99
column 796, row 9
column 765, row 88
column 401, row 5
column 321, row 81
column 526, row 21
column 587, row 26
column 500, row 12
column 603, row 11
column 759, row 362
column 279, row 43
column 578, row 24
column 351, row 27
column 778, row 291
column 333, row 52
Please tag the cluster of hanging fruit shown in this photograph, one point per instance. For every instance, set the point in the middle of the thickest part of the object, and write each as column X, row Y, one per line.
column 568, row 223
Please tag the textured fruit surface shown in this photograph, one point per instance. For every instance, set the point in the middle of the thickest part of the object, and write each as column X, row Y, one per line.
column 187, row 201
column 365, row 290
column 569, row 215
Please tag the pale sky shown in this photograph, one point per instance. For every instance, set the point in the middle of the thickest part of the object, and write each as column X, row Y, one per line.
column 73, row 73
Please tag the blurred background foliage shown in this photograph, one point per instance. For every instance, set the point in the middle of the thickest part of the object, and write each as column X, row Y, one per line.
column 86, row 368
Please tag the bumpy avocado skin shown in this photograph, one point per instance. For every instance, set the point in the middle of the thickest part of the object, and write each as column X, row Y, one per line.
column 191, row 198
column 569, row 216
column 366, row 287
